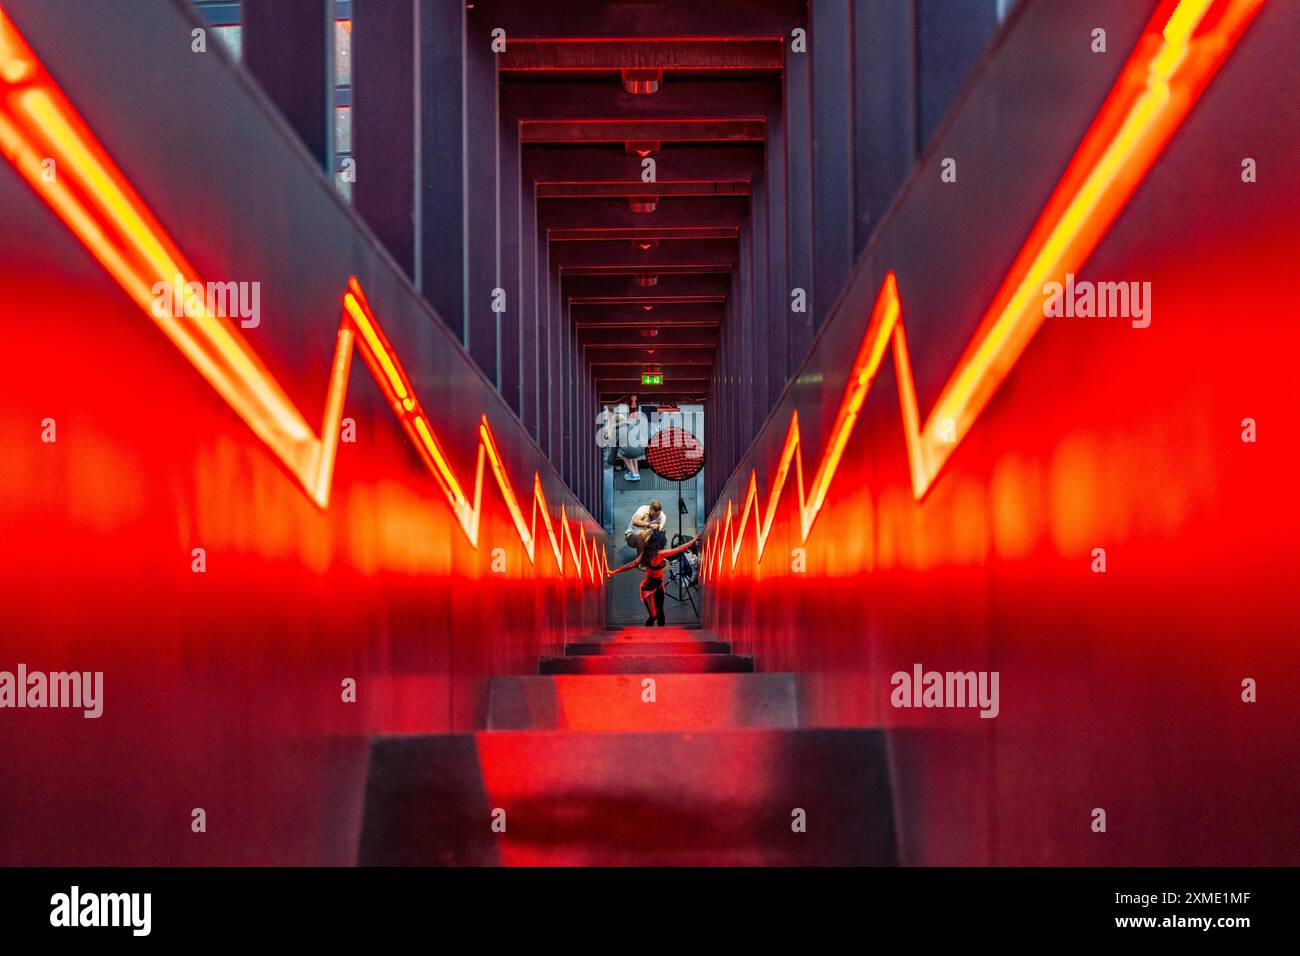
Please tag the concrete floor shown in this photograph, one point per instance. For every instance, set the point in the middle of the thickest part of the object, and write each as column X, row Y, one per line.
column 625, row 605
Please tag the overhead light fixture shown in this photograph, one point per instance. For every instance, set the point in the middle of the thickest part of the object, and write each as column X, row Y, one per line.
column 641, row 82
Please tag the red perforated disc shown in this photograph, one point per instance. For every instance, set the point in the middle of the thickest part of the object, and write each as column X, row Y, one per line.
column 675, row 454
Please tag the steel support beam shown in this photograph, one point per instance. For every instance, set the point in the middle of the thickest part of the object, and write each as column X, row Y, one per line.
column 288, row 46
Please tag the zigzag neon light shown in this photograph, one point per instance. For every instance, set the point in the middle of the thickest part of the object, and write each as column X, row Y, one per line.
column 1163, row 77
column 92, row 196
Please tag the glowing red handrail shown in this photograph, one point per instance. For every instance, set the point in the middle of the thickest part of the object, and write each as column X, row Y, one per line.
column 101, row 208
column 1163, row 77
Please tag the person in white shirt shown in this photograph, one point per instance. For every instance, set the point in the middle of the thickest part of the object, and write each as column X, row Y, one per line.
column 647, row 520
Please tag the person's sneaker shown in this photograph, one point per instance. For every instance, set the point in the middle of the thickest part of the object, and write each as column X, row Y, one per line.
column 628, row 476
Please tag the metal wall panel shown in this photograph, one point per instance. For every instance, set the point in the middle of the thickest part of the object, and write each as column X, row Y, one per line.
column 223, row 689
column 1119, row 690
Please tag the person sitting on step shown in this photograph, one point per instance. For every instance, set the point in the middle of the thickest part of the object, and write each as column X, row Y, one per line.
column 631, row 431
column 646, row 521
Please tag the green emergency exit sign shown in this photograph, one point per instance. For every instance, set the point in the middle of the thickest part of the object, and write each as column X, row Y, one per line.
column 652, row 378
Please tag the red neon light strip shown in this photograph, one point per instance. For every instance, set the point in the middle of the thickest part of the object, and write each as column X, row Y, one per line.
column 1164, row 76
column 98, row 204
